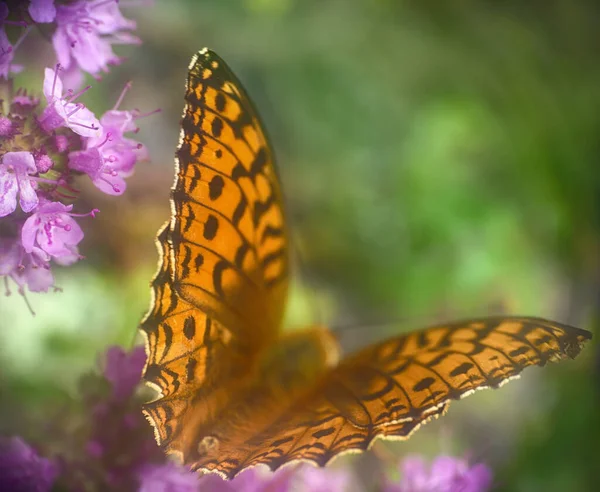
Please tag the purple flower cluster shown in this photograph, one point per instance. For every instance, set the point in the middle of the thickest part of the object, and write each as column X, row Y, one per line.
column 22, row 469
column 84, row 32
column 44, row 147
column 446, row 474
column 112, row 448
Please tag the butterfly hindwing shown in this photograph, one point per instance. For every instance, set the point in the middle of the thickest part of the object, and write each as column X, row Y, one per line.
column 389, row 389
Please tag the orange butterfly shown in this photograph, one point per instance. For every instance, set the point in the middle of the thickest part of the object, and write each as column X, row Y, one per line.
column 234, row 391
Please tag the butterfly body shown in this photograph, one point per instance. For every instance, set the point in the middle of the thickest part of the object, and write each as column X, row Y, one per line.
column 234, row 390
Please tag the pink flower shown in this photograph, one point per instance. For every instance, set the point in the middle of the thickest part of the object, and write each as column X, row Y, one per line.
column 446, row 474
column 6, row 127
column 37, row 164
column 108, row 17
column 111, row 157
column 85, row 32
column 6, row 54
column 72, row 77
column 33, row 271
column 124, row 370
column 52, row 229
column 10, row 255
column 309, row 478
column 252, row 480
column 62, row 111
column 43, row 163
column 14, row 179
column 22, row 469
column 42, row 11
column 167, row 477
column 7, row 51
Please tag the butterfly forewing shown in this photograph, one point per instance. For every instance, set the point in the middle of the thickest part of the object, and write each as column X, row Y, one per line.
column 228, row 230
column 220, row 290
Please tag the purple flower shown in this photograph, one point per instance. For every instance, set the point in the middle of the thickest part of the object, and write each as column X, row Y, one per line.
column 26, row 269
column 85, row 32
column 72, row 77
column 252, row 480
column 114, row 449
column 124, row 370
column 42, row 11
column 10, row 255
column 33, row 271
column 6, row 127
column 43, row 148
column 447, row 474
column 111, row 157
column 22, row 470
column 108, row 17
column 6, row 54
column 14, row 179
column 167, row 477
column 62, row 111
column 43, row 163
column 7, row 51
column 309, row 478
column 52, row 229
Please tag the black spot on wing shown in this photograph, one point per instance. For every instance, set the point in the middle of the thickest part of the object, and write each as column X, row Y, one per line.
column 211, row 227
column 424, row 384
column 215, row 187
column 189, row 327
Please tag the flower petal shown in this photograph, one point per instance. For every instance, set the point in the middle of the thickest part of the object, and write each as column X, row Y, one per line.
column 53, row 87
column 6, row 54
column 29, row 232
column 21, row 468
column 86, row 161
column 109, row 17
column 120, row 121
column 28, row 198
column 166, row 477
column 81, row 120
column 69, row 234
column 10, row 255
column 110, row 184
column 42, row 11
column 8, row 192
column 60, row 42
column 38, row 278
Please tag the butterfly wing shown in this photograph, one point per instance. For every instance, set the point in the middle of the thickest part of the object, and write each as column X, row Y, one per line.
column 230, row 252
column 220, row 290
column 389, row 389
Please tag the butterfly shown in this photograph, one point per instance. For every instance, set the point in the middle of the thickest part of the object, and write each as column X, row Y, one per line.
column 234, row 390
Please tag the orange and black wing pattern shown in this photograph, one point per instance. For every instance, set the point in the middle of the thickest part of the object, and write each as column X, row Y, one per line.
column 389, row 389
column 220, row 290
column 228, row 232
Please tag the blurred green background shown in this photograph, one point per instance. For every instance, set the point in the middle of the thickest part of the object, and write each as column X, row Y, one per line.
column 439, row 160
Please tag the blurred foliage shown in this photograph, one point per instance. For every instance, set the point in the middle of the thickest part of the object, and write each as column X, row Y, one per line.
column 439, row 159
